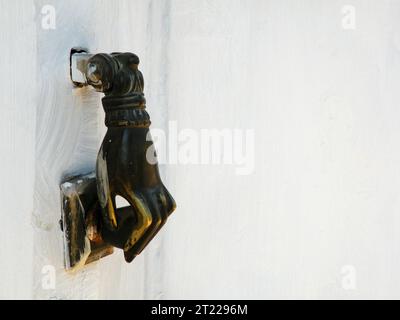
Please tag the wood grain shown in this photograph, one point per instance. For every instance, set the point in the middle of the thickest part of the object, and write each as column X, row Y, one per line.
column 17, row 141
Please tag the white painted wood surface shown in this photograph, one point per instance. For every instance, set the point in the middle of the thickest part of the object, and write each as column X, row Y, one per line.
column 322, row 205
column 323, row 202
column 17, row 142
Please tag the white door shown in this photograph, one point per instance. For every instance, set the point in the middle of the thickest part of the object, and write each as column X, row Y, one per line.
column 296, row 195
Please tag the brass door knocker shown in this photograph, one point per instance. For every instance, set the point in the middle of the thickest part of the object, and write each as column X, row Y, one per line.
column 91, row 222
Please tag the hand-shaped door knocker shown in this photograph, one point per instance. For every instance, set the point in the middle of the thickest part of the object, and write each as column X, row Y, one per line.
column 91, row 222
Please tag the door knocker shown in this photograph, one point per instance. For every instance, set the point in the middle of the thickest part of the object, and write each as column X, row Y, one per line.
column 91, row 222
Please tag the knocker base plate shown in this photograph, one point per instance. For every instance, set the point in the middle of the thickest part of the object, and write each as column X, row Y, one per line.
column 79, row 222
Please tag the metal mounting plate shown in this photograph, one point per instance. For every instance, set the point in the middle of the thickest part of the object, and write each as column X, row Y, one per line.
column 80, row 222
